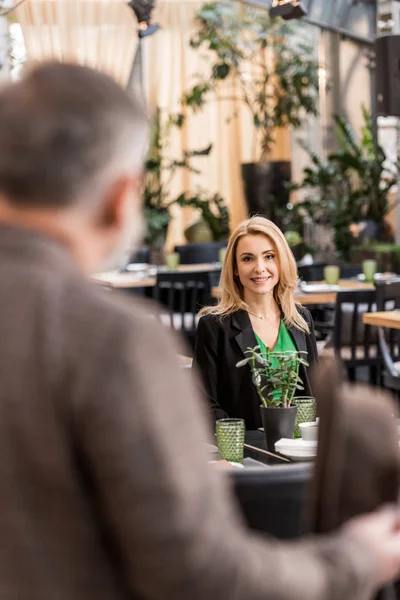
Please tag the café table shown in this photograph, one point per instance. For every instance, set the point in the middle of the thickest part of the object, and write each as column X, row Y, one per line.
column 256, row 448
column 387, row 318
column 140, row 279
column 321, row 297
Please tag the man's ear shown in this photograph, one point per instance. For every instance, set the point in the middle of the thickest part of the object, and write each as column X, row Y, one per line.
column 114, row 207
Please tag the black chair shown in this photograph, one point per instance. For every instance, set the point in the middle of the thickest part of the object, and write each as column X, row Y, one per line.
column 321, row 314
column 194, row 253
column 350, row 271
column 355, row 343
column 140, row 255
column 273, row 499
column 313, row 272
column 388, row 298
column 182, row 295
column 214, row 277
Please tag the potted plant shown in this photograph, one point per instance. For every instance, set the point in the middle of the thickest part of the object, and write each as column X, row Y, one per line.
column 273, row 77
column 160, row 170
column 214, row 215
column 295, row 242
column 349, row 191
column 276, row 377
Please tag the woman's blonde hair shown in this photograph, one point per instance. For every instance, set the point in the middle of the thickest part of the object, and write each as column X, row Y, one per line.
column 231, row 299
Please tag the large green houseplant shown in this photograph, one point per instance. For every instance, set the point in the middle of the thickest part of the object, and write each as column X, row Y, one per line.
column 350, row 189
column 160, row 169
column 262, row 64
column 276, row 378
column 214, row 213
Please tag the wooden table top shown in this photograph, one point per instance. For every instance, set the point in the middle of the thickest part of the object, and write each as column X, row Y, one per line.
column 387, row 318
column 330, row 297
column 132, row 279
column 322, row 297
column 135, row 279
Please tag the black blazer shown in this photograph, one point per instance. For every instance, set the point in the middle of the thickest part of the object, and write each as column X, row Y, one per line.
column 220, row 343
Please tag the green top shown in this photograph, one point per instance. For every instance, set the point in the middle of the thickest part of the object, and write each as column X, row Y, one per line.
column 284, row 343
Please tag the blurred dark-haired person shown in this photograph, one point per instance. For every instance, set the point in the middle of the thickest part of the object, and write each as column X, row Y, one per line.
column 106, row 493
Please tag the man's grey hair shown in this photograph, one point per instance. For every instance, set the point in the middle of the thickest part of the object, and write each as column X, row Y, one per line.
column 65, row 131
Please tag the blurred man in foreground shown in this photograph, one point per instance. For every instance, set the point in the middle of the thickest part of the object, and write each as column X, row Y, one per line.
column 106, row 490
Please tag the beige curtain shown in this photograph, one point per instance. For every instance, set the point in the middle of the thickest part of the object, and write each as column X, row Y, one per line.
column 98, row 33
column 102, row 34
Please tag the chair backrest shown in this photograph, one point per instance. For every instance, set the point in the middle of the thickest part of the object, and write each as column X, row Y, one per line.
column 388, row 295
column 349, row 331
column 388, row 298
column 316, row 272
column 348, row 271
column 273, row 499
column 140, row 255
column 194, row 253
column 182, row 295
column 214, row 277
column 311, row 272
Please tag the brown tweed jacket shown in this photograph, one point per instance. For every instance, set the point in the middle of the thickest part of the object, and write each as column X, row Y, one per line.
column 106, row 493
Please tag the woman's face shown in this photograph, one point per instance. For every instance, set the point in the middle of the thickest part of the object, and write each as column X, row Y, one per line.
column 257, row 264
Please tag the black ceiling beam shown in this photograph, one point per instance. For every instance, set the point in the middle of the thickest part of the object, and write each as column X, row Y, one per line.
column 344, row 32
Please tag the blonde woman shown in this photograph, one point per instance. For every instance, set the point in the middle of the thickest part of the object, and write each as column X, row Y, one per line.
column 257, row 306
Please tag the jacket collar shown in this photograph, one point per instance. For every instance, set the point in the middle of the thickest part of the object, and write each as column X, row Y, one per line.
column 243, row 331
column 244, row 334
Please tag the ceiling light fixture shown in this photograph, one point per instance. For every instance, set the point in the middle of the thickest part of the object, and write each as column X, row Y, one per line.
column 287, row 9
column 143, row 10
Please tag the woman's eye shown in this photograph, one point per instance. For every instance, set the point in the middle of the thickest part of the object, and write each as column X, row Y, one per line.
column 247, row 259
column 270, row 256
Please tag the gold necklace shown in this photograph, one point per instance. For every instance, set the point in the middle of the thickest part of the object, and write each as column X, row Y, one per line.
column 256, row 316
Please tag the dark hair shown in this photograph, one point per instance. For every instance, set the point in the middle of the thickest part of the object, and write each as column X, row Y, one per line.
column 63, row 128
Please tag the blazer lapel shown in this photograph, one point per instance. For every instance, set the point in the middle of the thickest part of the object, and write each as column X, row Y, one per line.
column 299, row 338
column 245, row 335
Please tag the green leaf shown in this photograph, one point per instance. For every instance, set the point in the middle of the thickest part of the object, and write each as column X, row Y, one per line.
column 243, row 362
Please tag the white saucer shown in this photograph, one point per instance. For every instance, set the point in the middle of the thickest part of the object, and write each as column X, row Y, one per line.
column 298, row 450
column 315, row 288
column 299, row 458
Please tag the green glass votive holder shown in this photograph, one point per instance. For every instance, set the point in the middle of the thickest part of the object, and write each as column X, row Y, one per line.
column 332, row 274
column 230, row 439
column 306, row 412
column 369, row 268
column 172, row 260
column 221, row 255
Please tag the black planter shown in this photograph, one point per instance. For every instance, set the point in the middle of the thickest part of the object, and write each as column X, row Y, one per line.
column 278, row 423
column 264, row 187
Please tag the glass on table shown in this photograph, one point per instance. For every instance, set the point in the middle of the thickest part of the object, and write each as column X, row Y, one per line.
column 369, row 268
column 172, row 260
column 332, row 274
column 230, row 439
column 221, row 255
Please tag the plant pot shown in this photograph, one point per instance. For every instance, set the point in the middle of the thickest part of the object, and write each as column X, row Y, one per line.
column 265, row 187
column 198, row 232
column 306, row 411
column 157, row 256
column 278, row 423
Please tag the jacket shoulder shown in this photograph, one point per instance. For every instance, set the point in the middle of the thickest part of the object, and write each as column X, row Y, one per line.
column 305, row 313
column 214, row 322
